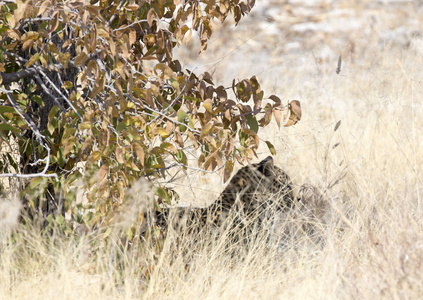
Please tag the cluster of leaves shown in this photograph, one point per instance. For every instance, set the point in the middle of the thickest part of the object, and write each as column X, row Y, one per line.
column 77, row 95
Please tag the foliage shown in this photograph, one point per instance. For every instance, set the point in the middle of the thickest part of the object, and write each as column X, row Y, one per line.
column 92, row 92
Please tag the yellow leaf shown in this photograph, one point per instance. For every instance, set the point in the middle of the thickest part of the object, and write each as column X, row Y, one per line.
column 162, row 132
column 208, row 105
column 168, row 146
column 30, row 35
column 28, row 43
column 80, row 59
column 69, row 143
column 2, row 69
column 14, row 34
column 206, row 129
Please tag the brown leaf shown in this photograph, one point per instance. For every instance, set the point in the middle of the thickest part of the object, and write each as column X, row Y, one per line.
column 150, row 16
column 278, row 116
column 229, row 166
column 132, row 7
column 193, row 140
column 102, row 173
column 119, row 155
column 139, row 150
column 295, row 113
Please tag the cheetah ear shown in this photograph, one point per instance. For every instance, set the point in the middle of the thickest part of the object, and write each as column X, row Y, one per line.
column 266, row 167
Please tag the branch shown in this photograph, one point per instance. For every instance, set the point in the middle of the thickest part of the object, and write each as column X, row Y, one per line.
column 188, row 167
column 39, row 138
column 58, row 91
column 24, row 116
column 41, row 174
column 8, row 78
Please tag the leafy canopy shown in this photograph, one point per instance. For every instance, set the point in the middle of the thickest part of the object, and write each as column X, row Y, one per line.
column 92, row 91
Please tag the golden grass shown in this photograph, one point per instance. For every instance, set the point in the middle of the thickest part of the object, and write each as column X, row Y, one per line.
column 369, row 172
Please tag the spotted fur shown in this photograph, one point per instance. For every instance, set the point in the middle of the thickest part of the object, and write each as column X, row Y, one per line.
column 250, row 193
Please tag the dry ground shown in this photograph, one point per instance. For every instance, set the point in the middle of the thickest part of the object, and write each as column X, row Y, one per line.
column 370, row 171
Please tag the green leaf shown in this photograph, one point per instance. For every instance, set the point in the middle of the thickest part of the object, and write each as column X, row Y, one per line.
column 271, row 147
column 163, row 194
column 60, row 219
column 121, row 126
column 38, row 100
column 182, row 115
column 182, row 158
column 6, row 109
column 8, row 127
column 252, row 122
column 37, row 182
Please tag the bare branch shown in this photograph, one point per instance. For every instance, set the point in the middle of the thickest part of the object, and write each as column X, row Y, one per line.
column 60, row 93
column 188, row 167
column 48, row 92
column 14, row 77
column 24, row 116
column 41, row 174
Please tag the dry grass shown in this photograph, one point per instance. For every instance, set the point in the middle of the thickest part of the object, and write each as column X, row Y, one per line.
column 369, row 172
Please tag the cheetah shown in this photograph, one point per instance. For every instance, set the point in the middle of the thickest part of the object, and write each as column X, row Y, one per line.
column 252, row 193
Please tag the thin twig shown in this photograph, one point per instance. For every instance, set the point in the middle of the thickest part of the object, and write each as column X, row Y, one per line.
column 60, row 93
column 24, row 116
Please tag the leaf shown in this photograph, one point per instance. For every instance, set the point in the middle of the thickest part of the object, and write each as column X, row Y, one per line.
column 206, row 129
column 162, row 132
column 278, row 116
column 8, row 127
column 30, row 35
column 132, row 7
column 229, row 166
column 60, row 219
column 32, row 60
column 252, row 122
column 80, row 59
column 95, row 156
column 85, row 125
column 150, row 16
column 37, row 183
column 208, row 105
column 182, row 158
column 67, row 85
column 68, row 143
column 107, row 233
column 163, row 194
column 102, row 173
column 276, row 99
column 169, row 147
column 38, row 100
column 139, row 150
column 119, row 155
column 295, row 113
column 271, row 147
column 6, row 109
column 182, row 115
column 337, row 125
